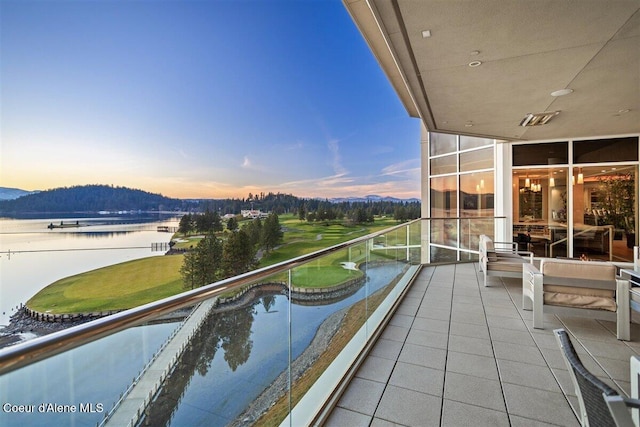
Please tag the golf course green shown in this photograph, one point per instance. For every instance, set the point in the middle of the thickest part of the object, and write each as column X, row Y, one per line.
column 138, row 282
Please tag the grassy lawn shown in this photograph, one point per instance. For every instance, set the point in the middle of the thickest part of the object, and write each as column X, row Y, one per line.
column 116, row 287
column 141, row 281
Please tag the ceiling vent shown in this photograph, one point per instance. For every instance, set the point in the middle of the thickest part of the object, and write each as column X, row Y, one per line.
column 538, row 119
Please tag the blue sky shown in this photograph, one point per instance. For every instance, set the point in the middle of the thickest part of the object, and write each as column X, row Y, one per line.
column 199, row 99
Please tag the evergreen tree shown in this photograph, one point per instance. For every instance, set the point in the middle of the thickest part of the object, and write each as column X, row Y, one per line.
column 239, row 255
column 232, row 224
column 271, row 232
column 254, row 229
column 189, row 270
column 186, row 224
column 209, row 259
column 217, row 222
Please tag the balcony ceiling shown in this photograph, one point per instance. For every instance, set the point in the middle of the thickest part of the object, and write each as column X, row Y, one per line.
column 527, row 50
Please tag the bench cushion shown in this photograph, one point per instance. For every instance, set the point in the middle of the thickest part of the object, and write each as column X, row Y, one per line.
column 576, row 296
column 507, row 264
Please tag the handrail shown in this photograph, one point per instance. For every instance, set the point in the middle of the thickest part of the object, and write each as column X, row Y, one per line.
column 23, row 354
column 464, row 217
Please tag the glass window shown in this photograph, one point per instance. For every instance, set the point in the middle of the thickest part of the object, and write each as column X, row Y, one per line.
column 443, row 255
column 467, row 142
column 444, row 201
column 604, row 212
column 446, row 164
column 551, row 153
column 476, row 194
column 606, row 150
column 540, row 210
column 441, row 143
column 444, row 232
column 474, row 160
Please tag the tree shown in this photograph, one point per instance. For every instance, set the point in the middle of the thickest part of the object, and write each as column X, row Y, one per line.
column 239, row 255
column 271, row 232
column 189, row 270
column 186, row 224
column 217, row 222
column 232, row 224
column 254, row 229
column 203, row 264
column 209, row 259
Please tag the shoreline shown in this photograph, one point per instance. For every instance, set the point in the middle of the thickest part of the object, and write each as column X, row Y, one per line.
column 23, row 327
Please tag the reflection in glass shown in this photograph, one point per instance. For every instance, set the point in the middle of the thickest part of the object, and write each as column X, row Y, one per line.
column 440, row 143
column 443, row 255
column 606, row 150
column 551, row 153
column 604, row 213
column 467, row 142
column 444, row 196
column 476, row 194
column 540, row 210
column 444, row 232
column 472, row 228
column 445, row 164
column 477, row 159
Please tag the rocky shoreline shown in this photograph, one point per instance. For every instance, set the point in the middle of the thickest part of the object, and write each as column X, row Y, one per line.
column 22, row 325
column 309, row 356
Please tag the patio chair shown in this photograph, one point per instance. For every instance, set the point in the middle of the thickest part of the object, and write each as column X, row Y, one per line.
column 590, row 390
column 578, row 288
column 501, row 258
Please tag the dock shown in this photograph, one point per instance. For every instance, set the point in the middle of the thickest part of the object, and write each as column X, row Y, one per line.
column 130, row 408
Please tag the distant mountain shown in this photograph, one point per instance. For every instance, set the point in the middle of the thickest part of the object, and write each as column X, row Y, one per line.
column 372, row 198
column 90, row 198
column 13, row 193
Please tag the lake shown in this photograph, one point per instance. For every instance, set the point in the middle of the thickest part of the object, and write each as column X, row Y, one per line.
column 39, row 256
column 230, row 361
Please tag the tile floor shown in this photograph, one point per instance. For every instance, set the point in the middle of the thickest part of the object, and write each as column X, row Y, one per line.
column 457, row 353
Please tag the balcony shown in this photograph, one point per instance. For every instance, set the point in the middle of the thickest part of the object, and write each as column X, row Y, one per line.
column 402, row 342
column 457, row 353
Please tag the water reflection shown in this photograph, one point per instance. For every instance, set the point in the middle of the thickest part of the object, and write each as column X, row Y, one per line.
column 236, row 355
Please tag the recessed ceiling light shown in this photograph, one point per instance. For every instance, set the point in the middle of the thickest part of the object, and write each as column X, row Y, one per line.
column 475, row 63
column 562, row 92
column 625, row 111
column 468, row 124
column 426, row 34
column 474, row 52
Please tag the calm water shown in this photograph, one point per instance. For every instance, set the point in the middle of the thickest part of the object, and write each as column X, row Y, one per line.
column 233, row 358
column 40, row 256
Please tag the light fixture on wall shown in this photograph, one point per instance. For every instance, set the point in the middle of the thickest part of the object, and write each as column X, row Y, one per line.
column 552, row 182
column 527, row 182
column 580, row 177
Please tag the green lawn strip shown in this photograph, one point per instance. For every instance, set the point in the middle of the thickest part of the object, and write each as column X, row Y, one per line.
column 115, row 287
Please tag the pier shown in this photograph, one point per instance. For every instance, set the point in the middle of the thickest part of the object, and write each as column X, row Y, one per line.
column 132, row 404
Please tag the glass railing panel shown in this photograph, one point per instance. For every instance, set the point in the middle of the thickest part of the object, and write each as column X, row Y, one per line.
column 248, row 349
column 82, row 386
column 328, row 308
column 235, row 366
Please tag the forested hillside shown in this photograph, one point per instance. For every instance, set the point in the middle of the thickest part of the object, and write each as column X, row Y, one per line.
column 96, row 198
column 90, row 198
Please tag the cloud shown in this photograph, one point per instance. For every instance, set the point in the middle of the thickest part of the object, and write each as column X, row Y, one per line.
column 246, row 163
column 336, row 160
column 407, row 167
